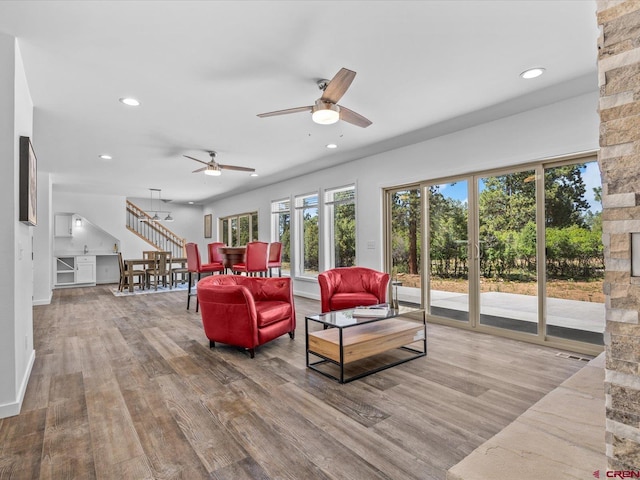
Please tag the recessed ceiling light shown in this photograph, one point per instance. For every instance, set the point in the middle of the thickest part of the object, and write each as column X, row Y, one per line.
column 106, row 157
column 332, row 145
column 190, row 203
column 254, row 174
column 132, row 102
column 532, row 72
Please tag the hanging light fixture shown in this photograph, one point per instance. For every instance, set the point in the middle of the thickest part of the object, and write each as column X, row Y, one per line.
column 156, row 217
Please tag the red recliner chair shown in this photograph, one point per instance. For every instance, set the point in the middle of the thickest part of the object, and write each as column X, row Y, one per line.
column 246, row 311
column 350, row 287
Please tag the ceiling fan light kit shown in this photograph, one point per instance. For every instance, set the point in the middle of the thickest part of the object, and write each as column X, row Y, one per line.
column 325, row 113
column 214, row 168
column 326, row 109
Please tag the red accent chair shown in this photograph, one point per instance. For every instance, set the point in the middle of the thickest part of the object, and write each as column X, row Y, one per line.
column 350, row 287
column 246, row 311
column 194, row 265
column 275, row 258
column 255, row 259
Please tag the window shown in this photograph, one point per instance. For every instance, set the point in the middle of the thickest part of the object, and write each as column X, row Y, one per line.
column 515, row 252
column 307, row 235
column 340, row 208
column 281, row 230
column 238, row 230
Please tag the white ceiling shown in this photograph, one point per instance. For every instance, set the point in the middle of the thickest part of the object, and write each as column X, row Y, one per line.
column 203, row 70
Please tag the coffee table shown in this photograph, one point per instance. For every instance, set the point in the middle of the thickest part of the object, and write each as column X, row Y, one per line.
column 347, row 338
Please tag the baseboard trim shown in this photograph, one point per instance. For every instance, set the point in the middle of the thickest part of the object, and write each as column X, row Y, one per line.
column 12, row 409
column 43, row 301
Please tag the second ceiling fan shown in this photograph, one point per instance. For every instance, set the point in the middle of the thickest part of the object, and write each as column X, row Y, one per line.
column 214, row 168
column 326, row 110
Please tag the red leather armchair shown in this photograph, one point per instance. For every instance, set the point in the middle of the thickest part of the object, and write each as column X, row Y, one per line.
column 350, row 287
column 246, row 311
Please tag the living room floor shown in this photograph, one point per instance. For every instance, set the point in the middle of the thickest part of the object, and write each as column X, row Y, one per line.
column 127, row 388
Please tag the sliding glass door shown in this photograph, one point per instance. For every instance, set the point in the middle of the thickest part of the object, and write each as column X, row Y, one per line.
column 514, row 252
column 405, row 243
column 448, row 250
column 506, row 246
column 574, row 264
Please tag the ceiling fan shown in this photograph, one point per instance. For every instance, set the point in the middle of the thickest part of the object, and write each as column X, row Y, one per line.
column 214, row 168
column 326, row 109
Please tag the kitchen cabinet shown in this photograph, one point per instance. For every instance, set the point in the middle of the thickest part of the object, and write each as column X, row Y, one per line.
column 86, row 269
column 62, row 226
column 75, row 270
column 65, row 270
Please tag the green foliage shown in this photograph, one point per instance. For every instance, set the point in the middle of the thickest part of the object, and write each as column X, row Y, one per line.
column 311, row 249
column 406, row 221
column 345, row 234
column 507, row 228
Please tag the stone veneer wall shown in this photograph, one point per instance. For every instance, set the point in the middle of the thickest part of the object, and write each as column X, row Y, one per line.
column 619, row 159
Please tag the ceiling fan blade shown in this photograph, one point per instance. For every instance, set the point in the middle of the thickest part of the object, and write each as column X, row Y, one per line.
column 200, row 170
column 338, row 85
column 206, row 163
column 240, row 169
column 285, row 112
column 353, row 117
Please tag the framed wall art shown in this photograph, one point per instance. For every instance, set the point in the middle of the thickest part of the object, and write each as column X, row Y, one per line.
column 207, row 225
column 28, row 183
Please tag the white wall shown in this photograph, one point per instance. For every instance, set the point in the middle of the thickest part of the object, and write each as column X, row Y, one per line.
column 188, row 219
column 42, row 246
column 109, row 213
column 16, row 283
column 561, row 128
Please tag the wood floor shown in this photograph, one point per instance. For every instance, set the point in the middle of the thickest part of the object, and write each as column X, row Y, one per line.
column 127, row 388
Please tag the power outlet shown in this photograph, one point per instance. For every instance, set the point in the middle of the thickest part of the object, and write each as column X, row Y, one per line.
column 371, row 245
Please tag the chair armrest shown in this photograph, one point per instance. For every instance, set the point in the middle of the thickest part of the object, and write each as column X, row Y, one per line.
column 229, row 313
column 327, row 289
column 379, row 281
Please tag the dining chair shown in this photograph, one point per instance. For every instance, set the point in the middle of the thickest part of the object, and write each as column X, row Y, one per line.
column 124, row 278
column 160, row 269
column 255, row 260
column 195, row 266
column 275, row 258
column 214, row 254
column 181, row 271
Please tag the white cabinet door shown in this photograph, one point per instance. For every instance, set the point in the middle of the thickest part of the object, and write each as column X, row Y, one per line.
column 63, row 226
column 86, row 269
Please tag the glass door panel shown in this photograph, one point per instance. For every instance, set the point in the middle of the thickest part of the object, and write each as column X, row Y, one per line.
column 448, row 270
column 406, row 240
column 574, row 253
column 508, row 296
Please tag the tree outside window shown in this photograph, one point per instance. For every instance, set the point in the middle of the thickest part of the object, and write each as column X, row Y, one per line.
column 307, row 235
column 281, row 230
column 340, row 207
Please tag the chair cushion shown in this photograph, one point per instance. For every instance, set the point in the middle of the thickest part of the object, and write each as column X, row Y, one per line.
column 340, row 301
column 272, row 311
column 211, row 267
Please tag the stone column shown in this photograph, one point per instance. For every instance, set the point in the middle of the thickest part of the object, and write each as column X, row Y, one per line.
column 619, row 159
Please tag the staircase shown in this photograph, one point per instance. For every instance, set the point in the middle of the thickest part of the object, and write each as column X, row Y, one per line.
column 153, row 232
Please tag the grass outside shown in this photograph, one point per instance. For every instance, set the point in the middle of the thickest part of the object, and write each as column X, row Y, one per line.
column 565, row 289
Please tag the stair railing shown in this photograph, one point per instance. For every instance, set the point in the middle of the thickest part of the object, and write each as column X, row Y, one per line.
column 153, row 232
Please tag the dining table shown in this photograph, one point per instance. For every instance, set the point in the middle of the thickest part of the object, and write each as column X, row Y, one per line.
column 231, row 256
column 131, row 263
